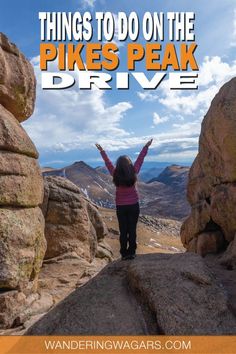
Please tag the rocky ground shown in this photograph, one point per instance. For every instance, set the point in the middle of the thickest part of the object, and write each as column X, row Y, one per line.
column 226, row 276
column 63, row 274
column 58, row 278
column 174, row 294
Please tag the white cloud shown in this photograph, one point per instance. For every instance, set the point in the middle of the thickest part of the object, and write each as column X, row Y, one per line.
column 189, row 104
column 147, row 96
column 66, row 120
column 180, row 142
column 70, row 119
column 180, row 156
column 158, row 120
column 213, row 73
column 189, row 129
column 75, row 119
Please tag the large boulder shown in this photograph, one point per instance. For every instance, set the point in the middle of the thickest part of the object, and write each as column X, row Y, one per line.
column 154, row 294
column 73, row 224
column 22, row 246
column 17, row 81
column 212, row 178
column 13, row 137
column 20, row 180
column 22, row 240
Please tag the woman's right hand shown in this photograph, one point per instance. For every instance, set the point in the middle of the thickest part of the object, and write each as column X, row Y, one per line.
column 99, row 147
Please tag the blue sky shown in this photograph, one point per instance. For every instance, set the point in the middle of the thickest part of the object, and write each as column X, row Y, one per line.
column 67, row 123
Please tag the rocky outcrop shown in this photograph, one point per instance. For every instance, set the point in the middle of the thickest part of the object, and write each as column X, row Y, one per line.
column 72, row 223
column 22, row 241
column 17, row 81
column 154, row 294
column 211, row 226
column 76, row 251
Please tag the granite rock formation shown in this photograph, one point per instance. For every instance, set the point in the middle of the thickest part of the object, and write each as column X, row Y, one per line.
column 22, row 241
column 154, row 294
column 211, row 226
column 17, row 81
column 72, row 223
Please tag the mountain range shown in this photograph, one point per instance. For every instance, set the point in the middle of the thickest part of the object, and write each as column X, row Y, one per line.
column 163, row 195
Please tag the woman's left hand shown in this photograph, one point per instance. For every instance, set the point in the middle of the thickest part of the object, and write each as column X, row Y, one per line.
column 149, row 143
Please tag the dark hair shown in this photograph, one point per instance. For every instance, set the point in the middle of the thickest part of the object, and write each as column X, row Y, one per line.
column 124, row 173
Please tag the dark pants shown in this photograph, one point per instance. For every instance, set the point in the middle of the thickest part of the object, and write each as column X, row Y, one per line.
column 127, row 217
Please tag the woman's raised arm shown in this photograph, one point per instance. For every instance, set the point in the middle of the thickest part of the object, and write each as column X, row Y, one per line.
column 138, row 163
column 106, row 159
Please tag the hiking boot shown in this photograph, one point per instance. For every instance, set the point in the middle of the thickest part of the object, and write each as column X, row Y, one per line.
column 132, row 256
column 124, row 258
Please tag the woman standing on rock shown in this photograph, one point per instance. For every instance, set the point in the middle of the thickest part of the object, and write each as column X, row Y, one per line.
column 127, row 200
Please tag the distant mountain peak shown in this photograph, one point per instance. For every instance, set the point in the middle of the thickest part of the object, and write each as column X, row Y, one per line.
column 79, row 163
column 176, row 166
column 172, row 175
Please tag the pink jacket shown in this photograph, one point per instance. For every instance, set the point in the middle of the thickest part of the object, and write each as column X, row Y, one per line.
column 126, row 195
